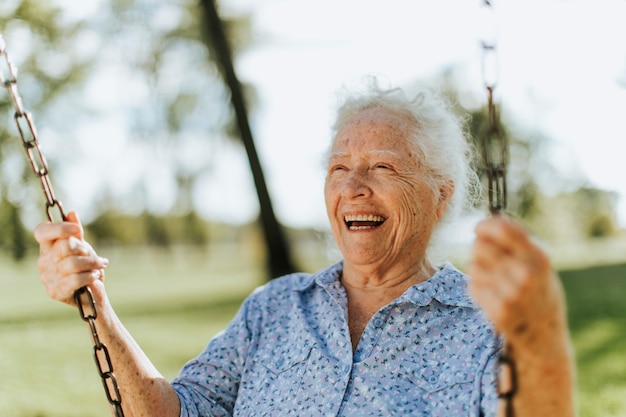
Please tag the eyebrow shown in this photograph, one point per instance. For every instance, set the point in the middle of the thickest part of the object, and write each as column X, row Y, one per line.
column 341, row 154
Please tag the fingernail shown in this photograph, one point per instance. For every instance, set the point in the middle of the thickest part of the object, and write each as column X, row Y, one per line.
column 103, row 261
column 73, row 243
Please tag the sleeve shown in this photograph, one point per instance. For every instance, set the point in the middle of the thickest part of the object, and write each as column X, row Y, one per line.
column 207, row 385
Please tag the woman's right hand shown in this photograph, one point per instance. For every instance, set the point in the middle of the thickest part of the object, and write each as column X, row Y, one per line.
column 66, row 262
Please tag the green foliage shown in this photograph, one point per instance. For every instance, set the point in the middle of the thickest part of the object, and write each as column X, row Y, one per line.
column 156, row 45
column 34, row 32
column 582, row 214
column 596, row 316
column 602, row 226
column 14, row 239
column 579, row 215
column 596, row 210
column 194, row 230
column 156, row 232
column 115, row 229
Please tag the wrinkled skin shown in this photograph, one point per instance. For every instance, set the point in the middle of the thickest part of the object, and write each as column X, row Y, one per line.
column 371, row 172
column 66, row 261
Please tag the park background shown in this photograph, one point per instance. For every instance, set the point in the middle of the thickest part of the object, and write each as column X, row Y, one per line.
column 136, row 122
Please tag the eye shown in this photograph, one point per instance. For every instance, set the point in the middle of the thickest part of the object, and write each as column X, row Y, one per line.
column 337, row 168
column 382, row 166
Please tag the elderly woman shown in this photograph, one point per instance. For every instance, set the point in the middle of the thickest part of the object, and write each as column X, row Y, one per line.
column 384, row 331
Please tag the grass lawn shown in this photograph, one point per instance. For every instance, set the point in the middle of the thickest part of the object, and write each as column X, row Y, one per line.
column 173, row 302
column 597, row 318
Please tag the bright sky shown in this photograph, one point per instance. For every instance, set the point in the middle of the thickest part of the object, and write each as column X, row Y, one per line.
column 562, row 72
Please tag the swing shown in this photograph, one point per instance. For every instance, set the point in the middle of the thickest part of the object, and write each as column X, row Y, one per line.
column 54, row 210
column 494, row 152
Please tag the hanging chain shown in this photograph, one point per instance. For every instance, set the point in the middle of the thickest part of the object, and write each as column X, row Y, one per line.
column 494, row 143
column 495, row 154
column 54, row 210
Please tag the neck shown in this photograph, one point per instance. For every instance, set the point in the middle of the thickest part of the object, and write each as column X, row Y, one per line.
column 372, row 277
column 368, row 289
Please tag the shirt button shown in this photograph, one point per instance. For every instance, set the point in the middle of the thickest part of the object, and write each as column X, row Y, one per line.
column 378, row 322
column 280, row 362
column 433, row 379
column 346, row 369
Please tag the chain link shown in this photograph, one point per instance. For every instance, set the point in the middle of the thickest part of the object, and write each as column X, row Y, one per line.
column 495, row 155
column 54, row 208
column 507, row 375
column 494, row 143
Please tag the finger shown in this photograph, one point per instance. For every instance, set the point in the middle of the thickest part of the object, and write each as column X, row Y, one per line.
column 488, row 297
column 486, row 253
column 75, row 247
column 81, row 264
column 505, row 233
column 490, row 265
column 72, row 217
column 500, row 281
column 47, row 233
column 490, row 300
column 63, row 290
column 62, row 249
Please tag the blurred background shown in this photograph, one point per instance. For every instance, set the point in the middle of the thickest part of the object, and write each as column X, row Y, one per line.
column 140, row 118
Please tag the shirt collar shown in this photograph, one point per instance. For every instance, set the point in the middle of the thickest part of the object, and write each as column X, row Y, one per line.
column 324, row 278
column 448, row 286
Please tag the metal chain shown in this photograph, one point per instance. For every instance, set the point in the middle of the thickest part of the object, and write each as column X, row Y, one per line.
column 494, row 143
column 83, row 296
column 495, row 154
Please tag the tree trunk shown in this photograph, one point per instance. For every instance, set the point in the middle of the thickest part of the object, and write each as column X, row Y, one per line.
column 279, row 260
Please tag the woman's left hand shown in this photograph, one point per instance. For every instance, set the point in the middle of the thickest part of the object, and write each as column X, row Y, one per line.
column 513, row 281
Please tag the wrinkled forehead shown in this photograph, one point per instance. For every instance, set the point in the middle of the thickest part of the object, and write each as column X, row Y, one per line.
column 380, row 115
column 378, row 130
column 381, row 152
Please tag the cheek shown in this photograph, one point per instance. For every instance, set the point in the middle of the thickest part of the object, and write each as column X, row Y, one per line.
column 418, row 203
column 328, row 193
column 330, row 199
column 333, row 186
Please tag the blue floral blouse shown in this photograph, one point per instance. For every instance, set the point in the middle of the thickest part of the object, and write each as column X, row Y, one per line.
column 431, row 352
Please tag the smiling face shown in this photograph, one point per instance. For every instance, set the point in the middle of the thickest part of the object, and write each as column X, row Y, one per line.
column 381, row 209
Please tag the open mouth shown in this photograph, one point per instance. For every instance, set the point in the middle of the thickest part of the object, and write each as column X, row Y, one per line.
column 363, row 221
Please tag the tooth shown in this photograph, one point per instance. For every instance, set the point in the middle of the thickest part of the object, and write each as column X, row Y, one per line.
column 363, row 218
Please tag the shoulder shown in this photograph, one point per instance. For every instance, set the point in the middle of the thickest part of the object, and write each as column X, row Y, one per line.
column 450, row 286
column 282, row 286
column 288, row 287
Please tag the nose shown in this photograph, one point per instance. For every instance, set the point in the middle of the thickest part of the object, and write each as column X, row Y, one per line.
column 356, row 184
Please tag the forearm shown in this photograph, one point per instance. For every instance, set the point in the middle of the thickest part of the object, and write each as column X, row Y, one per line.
column 143, row 390
column 545, row 383
column 514, row 283
column 66, row 263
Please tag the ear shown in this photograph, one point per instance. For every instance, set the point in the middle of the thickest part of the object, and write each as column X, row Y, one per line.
column 446, row 191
